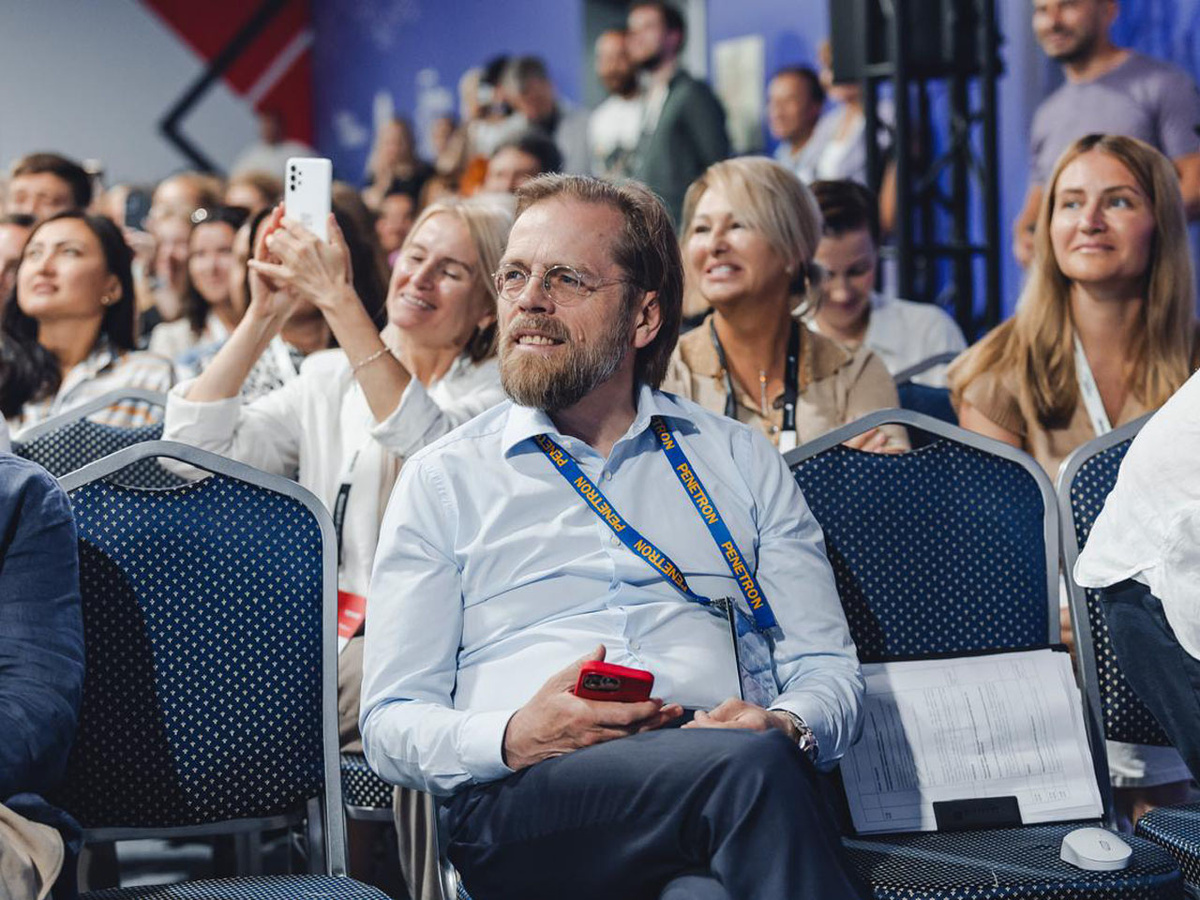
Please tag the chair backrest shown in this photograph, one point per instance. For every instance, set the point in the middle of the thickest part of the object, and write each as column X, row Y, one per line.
column 1085, row 480
column 929, row 401
column 210, row 621
column 950, row 548
column 67, row 442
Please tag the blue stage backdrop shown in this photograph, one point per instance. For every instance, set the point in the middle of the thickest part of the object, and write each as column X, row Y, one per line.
column 411, row 53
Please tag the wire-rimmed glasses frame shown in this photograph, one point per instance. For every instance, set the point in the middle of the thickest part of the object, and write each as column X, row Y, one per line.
column 563, row 284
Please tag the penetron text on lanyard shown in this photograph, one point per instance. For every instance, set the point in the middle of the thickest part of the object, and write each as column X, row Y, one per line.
column 1090, row 392
column 568, row 468
column 788, row 439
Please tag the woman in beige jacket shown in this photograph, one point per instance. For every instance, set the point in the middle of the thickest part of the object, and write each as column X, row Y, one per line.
column 750, row 229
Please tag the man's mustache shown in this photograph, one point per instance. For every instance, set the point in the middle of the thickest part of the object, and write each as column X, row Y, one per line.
column 546, row 325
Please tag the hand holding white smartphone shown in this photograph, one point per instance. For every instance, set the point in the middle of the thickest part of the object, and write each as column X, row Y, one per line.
column 308, row 186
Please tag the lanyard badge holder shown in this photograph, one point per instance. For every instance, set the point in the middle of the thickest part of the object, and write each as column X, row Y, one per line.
column 750, row 635
column 752, row 651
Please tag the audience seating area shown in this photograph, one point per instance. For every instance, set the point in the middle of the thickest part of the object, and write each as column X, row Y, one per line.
column 172, row 740
column 209, row 707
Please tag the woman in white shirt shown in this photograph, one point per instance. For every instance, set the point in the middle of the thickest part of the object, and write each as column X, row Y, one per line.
column 69, row 329
column 347, row 422
column 900, row 332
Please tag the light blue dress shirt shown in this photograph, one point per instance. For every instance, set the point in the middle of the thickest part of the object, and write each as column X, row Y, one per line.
column 492, row 575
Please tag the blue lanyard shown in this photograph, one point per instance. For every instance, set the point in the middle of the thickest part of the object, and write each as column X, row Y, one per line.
column 764, row 618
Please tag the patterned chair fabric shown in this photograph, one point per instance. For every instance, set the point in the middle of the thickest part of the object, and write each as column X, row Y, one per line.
column 1003, row 864
column 202, row 609
column 277, row 887
column 1125, row 718
column 74, row 445
column 1176, row 828
column 940, row 550
column 943, row 550
column 361, row 787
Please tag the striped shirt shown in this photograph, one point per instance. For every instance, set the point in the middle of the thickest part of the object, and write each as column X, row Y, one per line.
column 105, row 369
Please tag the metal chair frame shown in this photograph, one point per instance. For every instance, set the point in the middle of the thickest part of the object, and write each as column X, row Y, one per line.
column 1085, row 647
column 1051, row 534
column 904, row 376
column 326, row 827
column 104, row 401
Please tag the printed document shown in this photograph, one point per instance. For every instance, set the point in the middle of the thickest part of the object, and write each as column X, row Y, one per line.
column 1006, row 724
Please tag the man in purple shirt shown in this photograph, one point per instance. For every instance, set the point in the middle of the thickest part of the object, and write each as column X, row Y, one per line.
column 1108, row 90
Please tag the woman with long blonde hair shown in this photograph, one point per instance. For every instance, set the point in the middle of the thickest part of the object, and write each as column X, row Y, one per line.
column 1104, row 331
column 1105, row 327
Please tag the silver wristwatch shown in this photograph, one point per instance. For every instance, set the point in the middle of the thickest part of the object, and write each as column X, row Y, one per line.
column 806, row 740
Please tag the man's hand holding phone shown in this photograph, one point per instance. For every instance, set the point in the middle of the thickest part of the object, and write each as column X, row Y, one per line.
column 557, row 720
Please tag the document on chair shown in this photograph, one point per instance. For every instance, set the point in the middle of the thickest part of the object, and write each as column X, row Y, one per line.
column 1006, row 724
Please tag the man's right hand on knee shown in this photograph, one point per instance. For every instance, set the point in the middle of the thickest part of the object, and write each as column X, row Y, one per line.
column 555, row 721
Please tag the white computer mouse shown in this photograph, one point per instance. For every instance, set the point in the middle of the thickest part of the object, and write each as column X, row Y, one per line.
column 1096, row 849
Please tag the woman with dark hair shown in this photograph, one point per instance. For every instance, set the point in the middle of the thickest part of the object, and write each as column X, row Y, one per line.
column 393, row 164
column 68, row 329
column 208, row 312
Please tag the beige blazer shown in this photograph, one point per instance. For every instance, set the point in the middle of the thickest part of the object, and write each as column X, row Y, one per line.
column 837, row 385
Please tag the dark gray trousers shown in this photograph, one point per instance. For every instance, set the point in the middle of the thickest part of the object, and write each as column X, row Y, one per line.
column 697, row 813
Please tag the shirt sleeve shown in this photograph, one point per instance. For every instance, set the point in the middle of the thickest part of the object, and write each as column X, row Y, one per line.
column 412, row 735
column 419, row 419
column 265, row 434
column 816, row 663
column 41, row 630
column 1179, row 116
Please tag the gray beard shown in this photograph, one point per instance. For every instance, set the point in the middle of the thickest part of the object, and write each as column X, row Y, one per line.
column 552, row 385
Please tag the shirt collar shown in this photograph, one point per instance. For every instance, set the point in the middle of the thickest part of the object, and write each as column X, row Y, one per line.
column 525, row 423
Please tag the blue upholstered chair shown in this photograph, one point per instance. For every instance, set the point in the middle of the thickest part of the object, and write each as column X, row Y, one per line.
column 922, row 398
column 952, row 549
column 367, row 796
column 71, row 440
column 209, row 705
column 1113, row 709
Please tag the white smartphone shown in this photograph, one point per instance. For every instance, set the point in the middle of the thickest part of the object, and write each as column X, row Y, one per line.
column 308, row 184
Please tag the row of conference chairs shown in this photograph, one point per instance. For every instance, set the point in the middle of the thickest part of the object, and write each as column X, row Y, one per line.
column 203, row 716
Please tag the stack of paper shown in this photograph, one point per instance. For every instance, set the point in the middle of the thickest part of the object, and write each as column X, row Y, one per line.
column 1008, row 724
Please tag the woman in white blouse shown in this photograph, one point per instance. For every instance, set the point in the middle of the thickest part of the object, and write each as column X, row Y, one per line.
column 347, row 422
column 899, row 332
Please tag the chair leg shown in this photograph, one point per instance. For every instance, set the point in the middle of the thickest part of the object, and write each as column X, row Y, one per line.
column 248, row 848
column 98, row 867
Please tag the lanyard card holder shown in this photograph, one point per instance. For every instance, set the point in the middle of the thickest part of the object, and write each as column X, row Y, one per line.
column 750, row 635
column 752, row 649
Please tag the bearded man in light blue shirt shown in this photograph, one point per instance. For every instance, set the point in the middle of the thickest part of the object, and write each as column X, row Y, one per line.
column 541, row 534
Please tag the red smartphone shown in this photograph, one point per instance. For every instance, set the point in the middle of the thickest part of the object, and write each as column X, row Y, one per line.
column 616, row 684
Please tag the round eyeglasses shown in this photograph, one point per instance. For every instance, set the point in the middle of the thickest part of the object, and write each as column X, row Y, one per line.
column 562, row 284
